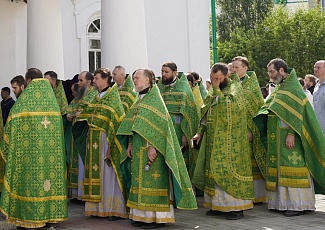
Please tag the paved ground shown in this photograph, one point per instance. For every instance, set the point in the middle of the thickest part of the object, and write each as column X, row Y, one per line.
column 257, row 218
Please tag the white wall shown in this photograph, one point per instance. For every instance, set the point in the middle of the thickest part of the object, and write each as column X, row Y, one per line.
column 293, row 5
column 178, row 31
column 71, row 43
column 168, row 32
column 13, row 27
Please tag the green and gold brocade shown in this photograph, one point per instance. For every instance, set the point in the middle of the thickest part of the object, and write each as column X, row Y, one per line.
column 73, row 108
column 102, row 115
column 203, row 91
column 224, row 156
column 179, row 101
column 197, row 98
column 127, row 93
column 148, row 121
column 34, row 191
column 289, row 103
column 1, row 125
column 61, row 97
column 253, row 100
column 2, row 163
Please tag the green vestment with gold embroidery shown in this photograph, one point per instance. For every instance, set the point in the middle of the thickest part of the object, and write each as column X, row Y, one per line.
column 203, row 91
column 73, row 108
column 61, row 97
column 127, row 93
column 101, row 115
column 179, row 101
column 148, row 122
column 197, row 98
column 34, row 191
column 253, row 100
column 291, row 167
column 2, row 163
column 224, row 156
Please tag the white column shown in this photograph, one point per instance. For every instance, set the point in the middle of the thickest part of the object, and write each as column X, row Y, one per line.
column 44, row 36
column 123, row 40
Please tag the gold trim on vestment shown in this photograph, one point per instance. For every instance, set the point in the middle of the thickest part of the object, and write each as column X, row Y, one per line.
column 92, row 181
column 154, row 110
column 152, row 219
column 257, row 176
column 32, row 199
column 156, row 128
column 270, row 185
column 30, row 224
column 292, row 171
column 178, row 93
column 119, row 119
column 126, row 104
column 126, row 93
column 106, row 214
column 289, row 108
column 294, row 97
column 148, row 207
column 294, row 183
column 3, row 156
column 272, row 171
column 260, row 199
column 228, row 208
column 312, row 145
column 149, row 191
column 26, row 114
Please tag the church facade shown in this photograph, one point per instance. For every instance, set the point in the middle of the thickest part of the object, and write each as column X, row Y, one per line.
column 69, row 36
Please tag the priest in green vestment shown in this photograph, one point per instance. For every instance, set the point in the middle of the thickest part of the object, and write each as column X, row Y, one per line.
column 294, row 142
column 125, row 87
column 223, row 169
column 34, row 191
column 179, row 100
column 104, row 189
column 84, row 96
column 199, row 83
column 58, row 90
column 158, row 168
column 253, row 99
column 196, row 91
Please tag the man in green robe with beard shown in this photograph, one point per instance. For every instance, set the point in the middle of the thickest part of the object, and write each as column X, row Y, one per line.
column 294, row 142
column 223, row 169
column 84, row 96
column 34, row 191
column 179, row 100
column 158, row 168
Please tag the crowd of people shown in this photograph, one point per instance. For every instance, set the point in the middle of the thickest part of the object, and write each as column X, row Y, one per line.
column 136, row 146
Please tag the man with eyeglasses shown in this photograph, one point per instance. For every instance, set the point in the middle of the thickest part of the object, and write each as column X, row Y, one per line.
column 294, row 141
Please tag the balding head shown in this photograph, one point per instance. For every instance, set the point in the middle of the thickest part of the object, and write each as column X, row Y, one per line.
column 319, row 70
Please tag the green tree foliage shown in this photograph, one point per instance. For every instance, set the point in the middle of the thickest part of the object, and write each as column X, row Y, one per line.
column 298, row 38
column 240, row 13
